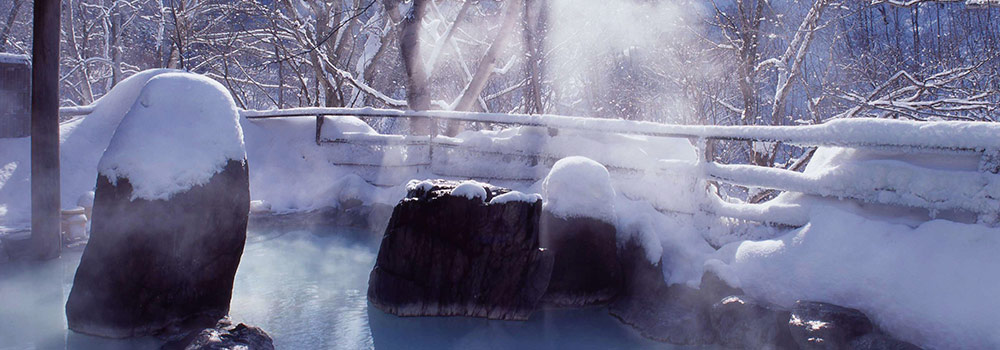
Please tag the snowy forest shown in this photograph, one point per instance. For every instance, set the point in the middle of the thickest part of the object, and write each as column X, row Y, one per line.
column 513, row 174
column 720, row 62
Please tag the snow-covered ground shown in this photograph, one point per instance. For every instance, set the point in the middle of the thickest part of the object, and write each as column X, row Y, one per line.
column 921, row 273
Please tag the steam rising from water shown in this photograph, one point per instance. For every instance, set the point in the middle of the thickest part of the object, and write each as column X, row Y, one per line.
column 625, row 58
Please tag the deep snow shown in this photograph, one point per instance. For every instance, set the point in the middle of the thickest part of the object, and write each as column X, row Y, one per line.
column 933, row 285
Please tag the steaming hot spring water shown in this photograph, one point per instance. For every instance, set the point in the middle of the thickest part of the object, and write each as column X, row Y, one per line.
column 306, row 286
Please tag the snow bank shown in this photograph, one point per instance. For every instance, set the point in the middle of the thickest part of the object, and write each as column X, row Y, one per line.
column 932, row 285
column 673, row 238
column 291, row 172
column 579, row 187
column 82, row 142
column 183, row 129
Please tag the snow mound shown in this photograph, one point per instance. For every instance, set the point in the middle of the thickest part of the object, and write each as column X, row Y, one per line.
column 470, row 190
column 182, row 130
column 579, row 187
column 515, row 196
column 931, row 285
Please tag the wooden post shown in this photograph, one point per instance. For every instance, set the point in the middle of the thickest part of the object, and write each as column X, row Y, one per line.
column 45, row 221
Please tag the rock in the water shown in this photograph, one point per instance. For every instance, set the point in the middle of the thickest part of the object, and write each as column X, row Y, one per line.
column 676, row 314
column 224, row 336
column 879, row 341
column 742, row 323
column 170, row 214
column 443, row 255
column 153, row 265
column 586, row 270
column 816, row 325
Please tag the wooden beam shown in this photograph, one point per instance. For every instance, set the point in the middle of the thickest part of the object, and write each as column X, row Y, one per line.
column 45, row 219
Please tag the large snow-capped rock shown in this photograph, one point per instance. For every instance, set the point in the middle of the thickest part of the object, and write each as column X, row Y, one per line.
column 170, row 215
column 455, row 249
column 577, row 226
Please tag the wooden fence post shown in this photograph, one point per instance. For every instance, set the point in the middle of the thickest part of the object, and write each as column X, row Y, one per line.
column 46, row 236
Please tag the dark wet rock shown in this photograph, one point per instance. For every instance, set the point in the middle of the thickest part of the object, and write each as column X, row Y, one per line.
column 224, row 336
column 879, row 341
column 586, row 270
column 452, row 256
column 160, row 266
column 816, row 325
column 676, row 314
column 743, row 323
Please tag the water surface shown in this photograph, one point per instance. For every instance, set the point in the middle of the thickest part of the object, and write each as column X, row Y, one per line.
column 306, row 288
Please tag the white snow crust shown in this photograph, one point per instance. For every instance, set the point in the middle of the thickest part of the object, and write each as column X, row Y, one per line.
column 931, row 285
column 470, row 190
column 516, row 196
column 182, row 129
column 579, row 187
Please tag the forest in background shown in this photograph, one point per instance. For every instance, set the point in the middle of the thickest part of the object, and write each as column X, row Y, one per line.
column 719, row 62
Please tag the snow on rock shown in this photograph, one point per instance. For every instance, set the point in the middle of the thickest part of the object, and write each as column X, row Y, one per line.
column 579, row 187
column 470, row 190
column 183, row 129
column 930, row 285
column 516, row 196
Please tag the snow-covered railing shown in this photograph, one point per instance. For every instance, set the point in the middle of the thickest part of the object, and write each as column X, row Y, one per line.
column 880, row 183
column 859, row 132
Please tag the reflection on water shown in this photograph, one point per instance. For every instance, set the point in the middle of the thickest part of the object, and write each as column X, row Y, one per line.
column 307, row 290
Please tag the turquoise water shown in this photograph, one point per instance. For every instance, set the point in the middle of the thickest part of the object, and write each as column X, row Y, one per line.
column 306, row 288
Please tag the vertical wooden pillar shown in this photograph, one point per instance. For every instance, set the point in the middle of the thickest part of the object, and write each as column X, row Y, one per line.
column 45, row 206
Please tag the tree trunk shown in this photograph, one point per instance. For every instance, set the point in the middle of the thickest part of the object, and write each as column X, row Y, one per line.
column 417, row 94
column 10, row 23
column 486, row 65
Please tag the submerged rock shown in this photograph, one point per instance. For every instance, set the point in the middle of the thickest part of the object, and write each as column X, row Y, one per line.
column 224, row 336
column 816, row 325
column 153, row 266
column 675, row 314
column 445, row 255
column 586, row 270
column 742, row 323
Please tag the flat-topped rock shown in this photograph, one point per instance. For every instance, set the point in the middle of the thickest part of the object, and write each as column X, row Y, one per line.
column 475, row 253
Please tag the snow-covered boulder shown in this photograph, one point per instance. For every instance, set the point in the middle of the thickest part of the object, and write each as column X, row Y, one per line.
column 461, row 255
column 170, row 214
column 577, row 226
